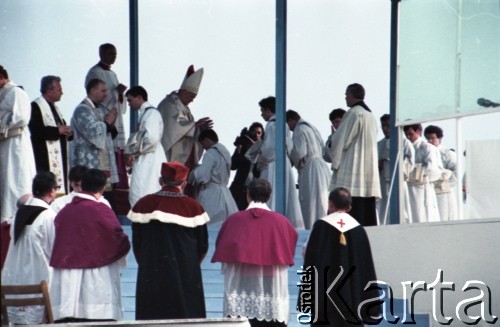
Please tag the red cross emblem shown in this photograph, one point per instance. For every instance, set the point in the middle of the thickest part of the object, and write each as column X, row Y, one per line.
column 341, row 223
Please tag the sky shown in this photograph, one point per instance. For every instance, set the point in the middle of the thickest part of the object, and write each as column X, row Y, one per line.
column 330, row 44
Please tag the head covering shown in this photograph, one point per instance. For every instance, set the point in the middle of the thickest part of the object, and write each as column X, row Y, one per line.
column 192, row 80
column 174, row 171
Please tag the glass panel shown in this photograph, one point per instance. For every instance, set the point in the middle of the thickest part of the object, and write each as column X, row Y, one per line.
column 427, row 52
column 448, row 58
column 480, row 60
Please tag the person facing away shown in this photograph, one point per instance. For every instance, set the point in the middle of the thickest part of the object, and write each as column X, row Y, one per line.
column 32, row 237
column 445, row 186
column 144, row 149
column 89, row 248
column 114, row 97
column 335, row 118
column 427, row 169
column 170, row 240
column 15, row 145
column 212, row 176
column 94, row 130
column 49, row 132
column 75, row 181
column 5, row 229
column 314, row 174
column 255, row 247
column 338, row 246
column 266, row 163
column 354, row 156
column 242, row 164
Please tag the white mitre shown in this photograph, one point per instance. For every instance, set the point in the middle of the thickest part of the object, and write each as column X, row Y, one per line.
column 192, row 80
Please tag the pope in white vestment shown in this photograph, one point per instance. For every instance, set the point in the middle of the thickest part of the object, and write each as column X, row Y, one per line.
column 213, row 176
column 17, row 163
column 180, row 129
column 28, row 259
column 267, row 164
column 314, row 173
column 179, row 137
column 150, row 155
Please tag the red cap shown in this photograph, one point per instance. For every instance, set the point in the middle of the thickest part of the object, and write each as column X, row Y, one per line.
column 174, row 171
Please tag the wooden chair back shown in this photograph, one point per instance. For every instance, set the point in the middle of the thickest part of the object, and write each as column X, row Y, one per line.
column 37, row 289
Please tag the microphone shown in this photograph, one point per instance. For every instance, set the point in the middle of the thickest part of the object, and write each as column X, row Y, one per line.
column 487, row 103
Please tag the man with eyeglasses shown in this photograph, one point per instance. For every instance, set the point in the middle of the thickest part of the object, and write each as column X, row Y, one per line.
column 30, row 248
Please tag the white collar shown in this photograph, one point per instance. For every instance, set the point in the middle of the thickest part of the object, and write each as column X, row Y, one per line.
column 144, row 106
column 90, row 102
column 86, row 196
column 341, row 220
column 260, row 205
column 37, row 202
column 418, row 141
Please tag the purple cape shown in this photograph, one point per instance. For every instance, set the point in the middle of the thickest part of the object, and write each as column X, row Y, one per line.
column 88, row 235
column 256, row 236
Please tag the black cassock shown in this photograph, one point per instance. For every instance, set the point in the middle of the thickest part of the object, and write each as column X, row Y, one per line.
column 41, row 133
column 351, row 263
column 169, row 280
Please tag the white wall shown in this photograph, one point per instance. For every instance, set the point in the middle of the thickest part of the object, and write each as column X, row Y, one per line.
column 464, row 250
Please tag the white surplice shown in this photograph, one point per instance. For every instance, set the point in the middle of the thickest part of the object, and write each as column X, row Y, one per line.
column 147, row 166
column 90, row 293
column 28, row 259
column 428, row 168
column 314, row 173
column 112, row 100
column 17, row 163
column 354, row 154
column 213, row 175
column 445, row 186
column 255, row 291
column 266, row 163
column 93, row 293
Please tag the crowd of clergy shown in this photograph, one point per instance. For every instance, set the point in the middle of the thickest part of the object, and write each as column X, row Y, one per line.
column 176, row 175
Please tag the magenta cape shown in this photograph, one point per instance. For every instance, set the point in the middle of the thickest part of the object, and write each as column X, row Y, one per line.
column 88, row 235
column 256, row 236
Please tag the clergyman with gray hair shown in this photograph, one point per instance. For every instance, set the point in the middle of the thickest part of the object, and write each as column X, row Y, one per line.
column 49, row 132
